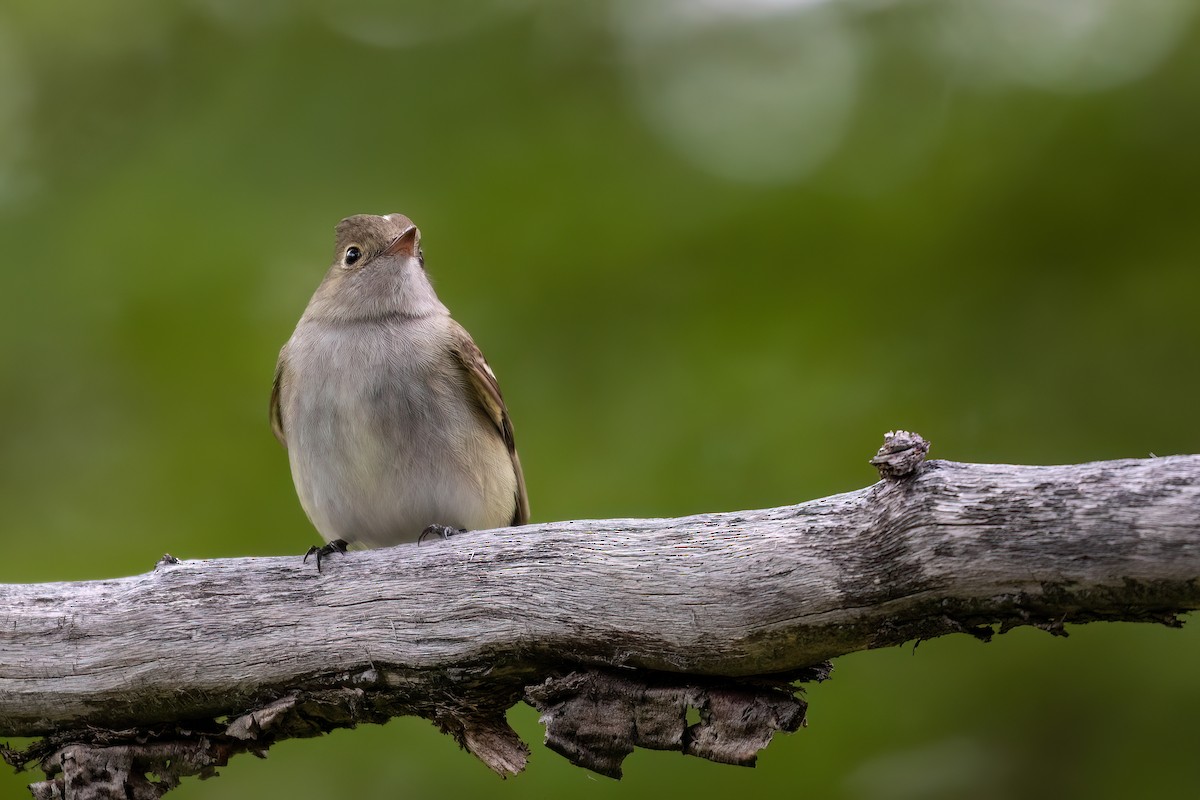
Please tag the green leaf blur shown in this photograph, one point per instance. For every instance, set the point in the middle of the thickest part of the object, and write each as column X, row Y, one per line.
column 713, row 250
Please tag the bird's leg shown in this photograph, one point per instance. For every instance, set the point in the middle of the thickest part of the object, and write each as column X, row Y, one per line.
column 336, row 546
column 444, row 531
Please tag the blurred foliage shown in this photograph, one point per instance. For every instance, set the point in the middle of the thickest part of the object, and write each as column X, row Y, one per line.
column 713, row 249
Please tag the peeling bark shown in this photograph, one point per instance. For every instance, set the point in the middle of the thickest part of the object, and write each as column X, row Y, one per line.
column 596, row 718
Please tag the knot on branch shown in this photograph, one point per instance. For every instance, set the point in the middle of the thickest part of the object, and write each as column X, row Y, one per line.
column 902, row 454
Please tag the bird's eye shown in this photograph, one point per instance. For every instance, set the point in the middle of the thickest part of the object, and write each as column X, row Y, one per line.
column 353, row 254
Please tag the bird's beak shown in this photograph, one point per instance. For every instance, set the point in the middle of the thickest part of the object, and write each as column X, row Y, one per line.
column 406, row 244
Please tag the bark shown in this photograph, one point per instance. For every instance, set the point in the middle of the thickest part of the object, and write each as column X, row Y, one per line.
column 614, row 629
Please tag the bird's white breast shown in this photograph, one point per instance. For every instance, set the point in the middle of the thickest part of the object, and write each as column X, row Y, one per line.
column 383, row 436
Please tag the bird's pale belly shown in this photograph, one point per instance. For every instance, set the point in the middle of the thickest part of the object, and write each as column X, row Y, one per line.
column 359, row 480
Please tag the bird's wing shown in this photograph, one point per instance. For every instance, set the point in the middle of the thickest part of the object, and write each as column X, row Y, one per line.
column 482, row 382
column 276, row 394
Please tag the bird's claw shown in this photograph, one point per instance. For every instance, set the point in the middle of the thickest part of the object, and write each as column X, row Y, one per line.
column 336, row 546
column 444, row 531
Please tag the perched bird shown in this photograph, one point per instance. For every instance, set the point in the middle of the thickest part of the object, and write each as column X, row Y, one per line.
column 392, row 419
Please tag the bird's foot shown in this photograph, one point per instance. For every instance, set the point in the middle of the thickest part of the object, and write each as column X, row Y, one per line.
column 336, row 546
column 444, row 531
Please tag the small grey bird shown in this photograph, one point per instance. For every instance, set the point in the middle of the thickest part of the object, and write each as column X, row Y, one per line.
column 392, row 419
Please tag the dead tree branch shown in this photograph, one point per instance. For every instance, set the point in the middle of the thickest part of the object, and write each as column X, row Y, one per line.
column 613, row 628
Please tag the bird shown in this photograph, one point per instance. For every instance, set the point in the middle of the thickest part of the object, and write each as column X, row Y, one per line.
column 393, row 421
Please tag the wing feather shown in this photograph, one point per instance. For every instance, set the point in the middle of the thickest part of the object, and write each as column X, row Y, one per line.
column 482, row 381
column 281, row 377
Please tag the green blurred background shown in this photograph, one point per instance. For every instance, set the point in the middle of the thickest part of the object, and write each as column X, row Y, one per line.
column 714, row 250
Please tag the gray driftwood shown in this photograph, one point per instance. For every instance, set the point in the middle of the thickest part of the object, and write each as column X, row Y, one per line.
column 612, row 628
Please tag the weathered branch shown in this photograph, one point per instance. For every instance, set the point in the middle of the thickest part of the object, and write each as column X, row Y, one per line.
column 613, row 628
